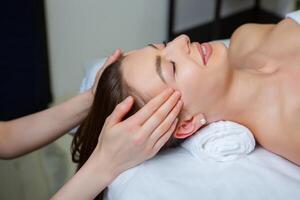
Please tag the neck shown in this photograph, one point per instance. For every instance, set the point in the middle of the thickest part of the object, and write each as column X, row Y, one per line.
column 240, row 100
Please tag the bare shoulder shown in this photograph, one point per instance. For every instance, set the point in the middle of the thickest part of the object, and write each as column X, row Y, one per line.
column 250, row 35
column 245, row 40
column 252, row 28
column 288, row 23
column 287, row 33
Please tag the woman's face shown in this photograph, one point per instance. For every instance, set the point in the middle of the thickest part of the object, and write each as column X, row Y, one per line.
column 179, row 65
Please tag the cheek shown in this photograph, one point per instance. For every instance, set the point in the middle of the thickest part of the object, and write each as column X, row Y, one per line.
column 198, row 86
column 190, row 84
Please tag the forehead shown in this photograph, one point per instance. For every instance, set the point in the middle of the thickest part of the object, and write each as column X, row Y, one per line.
column 139, row 72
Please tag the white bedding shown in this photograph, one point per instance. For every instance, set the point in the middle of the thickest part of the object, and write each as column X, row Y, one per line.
column 179, row 174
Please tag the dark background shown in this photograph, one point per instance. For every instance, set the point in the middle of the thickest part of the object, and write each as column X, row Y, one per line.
column 24, row 66
column 221, row 28
column 24, row 82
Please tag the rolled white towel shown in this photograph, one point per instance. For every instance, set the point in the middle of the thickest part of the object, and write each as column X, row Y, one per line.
column 221, row 141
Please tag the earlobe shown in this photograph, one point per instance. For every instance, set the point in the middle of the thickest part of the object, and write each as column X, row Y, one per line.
column 188, row 127
column 184, row 129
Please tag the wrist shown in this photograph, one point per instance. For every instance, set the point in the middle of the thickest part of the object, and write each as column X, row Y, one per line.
column 88, row 97
column 101, row 165
column 84, row 102
column 95, row 175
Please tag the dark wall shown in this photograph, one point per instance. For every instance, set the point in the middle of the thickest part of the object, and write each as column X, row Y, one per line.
column 24, row 73
column 221, row 28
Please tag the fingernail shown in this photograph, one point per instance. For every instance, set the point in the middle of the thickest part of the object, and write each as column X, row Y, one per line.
column 128, row 99
column 176, row 120
column 202, row 121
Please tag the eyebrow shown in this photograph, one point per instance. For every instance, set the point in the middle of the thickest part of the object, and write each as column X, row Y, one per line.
column 158, row 64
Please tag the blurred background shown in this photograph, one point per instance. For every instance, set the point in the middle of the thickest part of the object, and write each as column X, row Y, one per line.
column 46, row 45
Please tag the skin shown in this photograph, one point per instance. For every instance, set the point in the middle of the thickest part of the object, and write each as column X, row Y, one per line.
column 254, row 82
column 39, row 129
column 122, row 145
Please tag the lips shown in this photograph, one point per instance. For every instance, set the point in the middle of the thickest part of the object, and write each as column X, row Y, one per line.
column 205, row 51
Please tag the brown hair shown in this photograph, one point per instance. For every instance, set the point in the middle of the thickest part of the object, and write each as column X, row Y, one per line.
column 111, row 90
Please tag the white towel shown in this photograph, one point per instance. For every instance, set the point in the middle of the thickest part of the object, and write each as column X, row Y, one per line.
column 91, row 70
column 221, row 141
column 295, row 16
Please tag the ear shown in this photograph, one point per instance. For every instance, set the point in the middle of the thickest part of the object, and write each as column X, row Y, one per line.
column 188, row 127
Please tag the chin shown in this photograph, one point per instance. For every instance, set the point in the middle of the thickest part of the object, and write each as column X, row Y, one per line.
column 219, row 57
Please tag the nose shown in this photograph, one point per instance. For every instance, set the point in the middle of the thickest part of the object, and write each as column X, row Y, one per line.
column 182, row 42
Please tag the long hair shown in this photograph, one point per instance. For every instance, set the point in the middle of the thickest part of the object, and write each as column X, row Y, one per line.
column 111, row 90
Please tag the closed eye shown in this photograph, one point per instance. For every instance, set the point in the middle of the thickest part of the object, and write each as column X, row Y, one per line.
column 172, row 62
column 174, row 67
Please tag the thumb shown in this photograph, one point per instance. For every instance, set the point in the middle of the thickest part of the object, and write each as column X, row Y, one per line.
column 111, row 59
column 120, row 111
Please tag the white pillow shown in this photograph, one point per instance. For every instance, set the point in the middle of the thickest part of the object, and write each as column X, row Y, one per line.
column 91, row 70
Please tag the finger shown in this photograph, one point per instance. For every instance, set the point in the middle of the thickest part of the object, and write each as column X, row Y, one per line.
column 160, row 115
column 111, row 59
column 162, row 141
column 146, row 112
column 120, row 111
column 166, row 124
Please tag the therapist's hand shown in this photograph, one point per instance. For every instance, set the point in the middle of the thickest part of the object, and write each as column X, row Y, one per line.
column 125, row 144
column 111, row 59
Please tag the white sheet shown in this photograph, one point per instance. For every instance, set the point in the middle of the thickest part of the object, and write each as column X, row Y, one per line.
column 178, row 175
column 295, row 16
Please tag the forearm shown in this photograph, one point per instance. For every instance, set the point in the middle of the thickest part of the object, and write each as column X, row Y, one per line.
column 93, row 177
column 28, row 133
